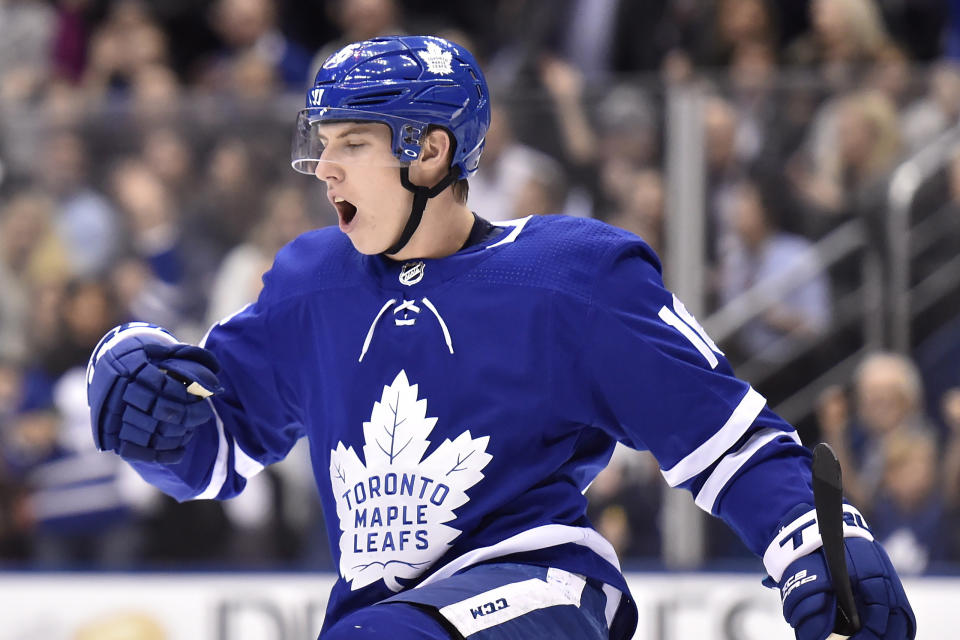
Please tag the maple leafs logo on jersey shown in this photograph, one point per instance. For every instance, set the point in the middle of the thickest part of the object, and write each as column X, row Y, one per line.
column 438, row 60
column 393, row 506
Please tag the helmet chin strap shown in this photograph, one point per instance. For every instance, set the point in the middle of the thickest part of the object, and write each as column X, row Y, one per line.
column 420, row 197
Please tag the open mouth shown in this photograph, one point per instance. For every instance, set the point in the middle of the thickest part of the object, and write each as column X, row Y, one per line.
column 346, row 210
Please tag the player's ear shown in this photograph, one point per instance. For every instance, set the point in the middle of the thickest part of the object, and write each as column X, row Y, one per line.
column 435, row 150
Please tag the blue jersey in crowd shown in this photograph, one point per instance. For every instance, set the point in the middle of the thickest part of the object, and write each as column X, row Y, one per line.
column 457, row 408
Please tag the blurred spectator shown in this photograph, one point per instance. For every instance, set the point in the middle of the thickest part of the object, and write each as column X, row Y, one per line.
column 508, row 170
column 522, row 31
column 14, row 524
column 740, row 23
column 253, row 80
column 643, row 210
column 760, row 133
column 69, row 49
column 85, row 221
column 155, row 96
column 628, row 125
column 935, row 214
column 888, row 394
column 590, row 36
column 918, row 25
column 622, row 36
column 79, row 512
column 178, row 265
column 937, row 111
column 249, row 32
column 169, row 155
column 952, row 45
column 11, row 393
column 601, row 158
column 128, row 41
column 30, row 253
column 853, row 146
column 82, row 311
column 238, row 279
column 763, row 259
column 890, row 75
column 565, row 86
column 358, row 20
column 43, row 333
column 627, row 140
column 845, row 38
column 724, row 170
column 910, row 509
column 950, row 409
column 543, row 192
column 228, row 204
column 26, row 33
column 624, row 500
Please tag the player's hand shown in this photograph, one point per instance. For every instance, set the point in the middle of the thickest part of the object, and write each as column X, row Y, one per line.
column 146, row 396
column 810, row 605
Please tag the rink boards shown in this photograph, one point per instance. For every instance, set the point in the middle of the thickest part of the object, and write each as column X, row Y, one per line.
column 268, row 606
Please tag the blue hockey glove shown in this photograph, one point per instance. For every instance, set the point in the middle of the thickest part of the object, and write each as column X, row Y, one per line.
column 798, row 569
column 145, row 392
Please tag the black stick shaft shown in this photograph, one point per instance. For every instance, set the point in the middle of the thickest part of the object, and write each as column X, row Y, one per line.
column 828, row 501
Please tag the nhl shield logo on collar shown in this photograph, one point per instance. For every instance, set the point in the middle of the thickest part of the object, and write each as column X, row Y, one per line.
column 412, row 273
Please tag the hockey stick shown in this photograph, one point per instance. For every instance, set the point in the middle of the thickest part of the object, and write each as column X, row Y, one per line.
column 828, row 501
column 193, row 387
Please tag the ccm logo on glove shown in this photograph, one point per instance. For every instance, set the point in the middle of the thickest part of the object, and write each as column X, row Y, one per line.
column 794, row 581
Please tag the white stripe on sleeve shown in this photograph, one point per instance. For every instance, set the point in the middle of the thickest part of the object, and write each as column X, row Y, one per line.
column 730, row 464
column 706, row 454
column 219, row 474
column 224, row 320
column 244, row 464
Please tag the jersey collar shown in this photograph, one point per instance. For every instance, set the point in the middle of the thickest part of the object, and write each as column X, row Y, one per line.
column 436, row 271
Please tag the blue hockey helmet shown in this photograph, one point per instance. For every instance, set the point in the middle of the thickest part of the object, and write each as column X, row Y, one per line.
column 407, row 83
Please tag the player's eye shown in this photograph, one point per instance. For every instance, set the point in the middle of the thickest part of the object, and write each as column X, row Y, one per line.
column 353, row 146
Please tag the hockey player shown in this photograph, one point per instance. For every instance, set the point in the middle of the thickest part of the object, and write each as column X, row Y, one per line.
column 461, row 383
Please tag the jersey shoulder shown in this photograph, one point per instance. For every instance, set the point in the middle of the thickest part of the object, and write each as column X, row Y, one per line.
column 562, row 253
column 319, row 259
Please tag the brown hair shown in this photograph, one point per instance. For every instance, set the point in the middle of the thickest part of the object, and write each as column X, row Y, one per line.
column 461, row 189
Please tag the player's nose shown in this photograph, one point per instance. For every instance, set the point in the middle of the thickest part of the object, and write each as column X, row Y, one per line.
column 328, row 171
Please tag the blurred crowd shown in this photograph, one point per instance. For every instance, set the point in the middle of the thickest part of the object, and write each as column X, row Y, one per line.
column 144, row 148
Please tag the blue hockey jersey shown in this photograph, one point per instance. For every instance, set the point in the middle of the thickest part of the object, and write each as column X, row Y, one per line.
column 457, row 408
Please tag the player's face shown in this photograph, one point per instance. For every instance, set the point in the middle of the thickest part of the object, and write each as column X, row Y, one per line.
column 363, row 183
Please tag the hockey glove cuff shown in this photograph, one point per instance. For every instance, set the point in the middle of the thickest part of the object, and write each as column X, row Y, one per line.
column 798, row 569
